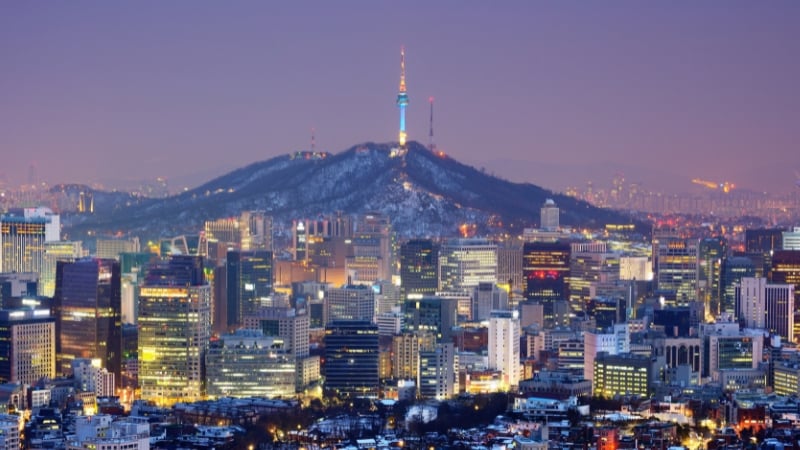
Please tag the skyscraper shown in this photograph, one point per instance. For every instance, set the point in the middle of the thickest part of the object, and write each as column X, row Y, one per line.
column 23, row 234
column 549, row 216
column 791, row 239
column 419, row 264
column 766, row 306
column 350, row 302
column 351, row 358
column 174, row 331
column 249, row 283
column 369, row 258
column 27, row 345
column 504, row 353
column 733, row 270
column 676, row 267
column 464, row 263
column 53, row 252
column 545, row 268
column 437, row 376
column 710, row 254
column 786, row 270
column 88, row 308
column 487, row 297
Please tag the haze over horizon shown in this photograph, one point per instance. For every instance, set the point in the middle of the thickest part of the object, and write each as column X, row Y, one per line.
column 546, row 93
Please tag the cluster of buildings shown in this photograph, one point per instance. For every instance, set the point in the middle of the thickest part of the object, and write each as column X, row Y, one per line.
column 347, row 310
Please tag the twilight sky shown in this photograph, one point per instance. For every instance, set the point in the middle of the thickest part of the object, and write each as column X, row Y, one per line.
column 547, row 92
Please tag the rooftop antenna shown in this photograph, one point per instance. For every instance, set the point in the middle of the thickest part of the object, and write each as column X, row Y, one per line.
column 431, row 144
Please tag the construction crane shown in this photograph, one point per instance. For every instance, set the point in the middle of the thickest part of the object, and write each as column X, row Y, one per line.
column 724, row 186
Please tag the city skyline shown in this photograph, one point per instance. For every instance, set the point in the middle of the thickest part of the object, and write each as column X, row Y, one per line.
column 540, row 93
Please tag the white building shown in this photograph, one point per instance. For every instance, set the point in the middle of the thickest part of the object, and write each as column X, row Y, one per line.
column 100, row 432
column 766, row 306
column 90, row 376
column 437, row 375
column 504, row 354
column 10, row 426
column 791, row 239
column 615, row 342
column 549, row 216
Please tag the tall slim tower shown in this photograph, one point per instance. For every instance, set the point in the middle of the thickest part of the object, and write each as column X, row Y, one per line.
column 402, row 98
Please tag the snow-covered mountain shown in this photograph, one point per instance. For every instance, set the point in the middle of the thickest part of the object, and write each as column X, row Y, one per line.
column 425, row 194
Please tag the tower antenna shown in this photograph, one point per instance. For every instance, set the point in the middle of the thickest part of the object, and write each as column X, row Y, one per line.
column 313, row 140
column 431, row 144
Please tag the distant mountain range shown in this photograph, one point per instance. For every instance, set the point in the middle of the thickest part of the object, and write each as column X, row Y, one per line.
column 425, row 194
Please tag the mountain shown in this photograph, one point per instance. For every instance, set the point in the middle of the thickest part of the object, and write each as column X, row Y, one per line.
column 425, row 194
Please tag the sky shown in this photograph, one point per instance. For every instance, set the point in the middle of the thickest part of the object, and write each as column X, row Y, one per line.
column 551, row 93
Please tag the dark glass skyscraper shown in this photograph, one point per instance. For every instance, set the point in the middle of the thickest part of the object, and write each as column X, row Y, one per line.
column 88, row 310
column 733, row 270
column 351, row 358
column 710, row 254
column 419, row 260
column 545, row 268
column 249, row 281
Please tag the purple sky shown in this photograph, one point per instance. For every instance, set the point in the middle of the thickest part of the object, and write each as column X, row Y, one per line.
column 537, row 91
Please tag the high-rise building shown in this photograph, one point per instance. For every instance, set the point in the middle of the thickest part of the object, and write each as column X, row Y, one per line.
column 734, row 268
column 487, row 297
column 763, row 241
column 53, row 252
column 27, row 345
column 90, row 376
column 614, row 342
column 349, row 302
column 545, row 268
column 791, row 239
column 635, row 268
column 438, row 372
column 249, row 364
column 726, row 347
column 369, row 258
column 111, row 248
column 249, row 283
column 226, row 230
column 9, row 431
column 419, row 264
column 766, row 306
column 549, row 216
column 786, row 270
column 255, row 229
column 434, row 314
column 351, row 358
column 509, row 270
column 15, row 285
column 23, row 234
column 504, row 352
column 591, row 266
column 676, row 267
column 174, row 331
column 88, row 308
column 463, row 263
column 710, row 254
column 406, row 348
column 289, row 324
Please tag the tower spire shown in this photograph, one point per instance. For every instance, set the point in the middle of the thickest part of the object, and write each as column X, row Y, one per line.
column 402, row 69
column 431, row 145
column 402, row 99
